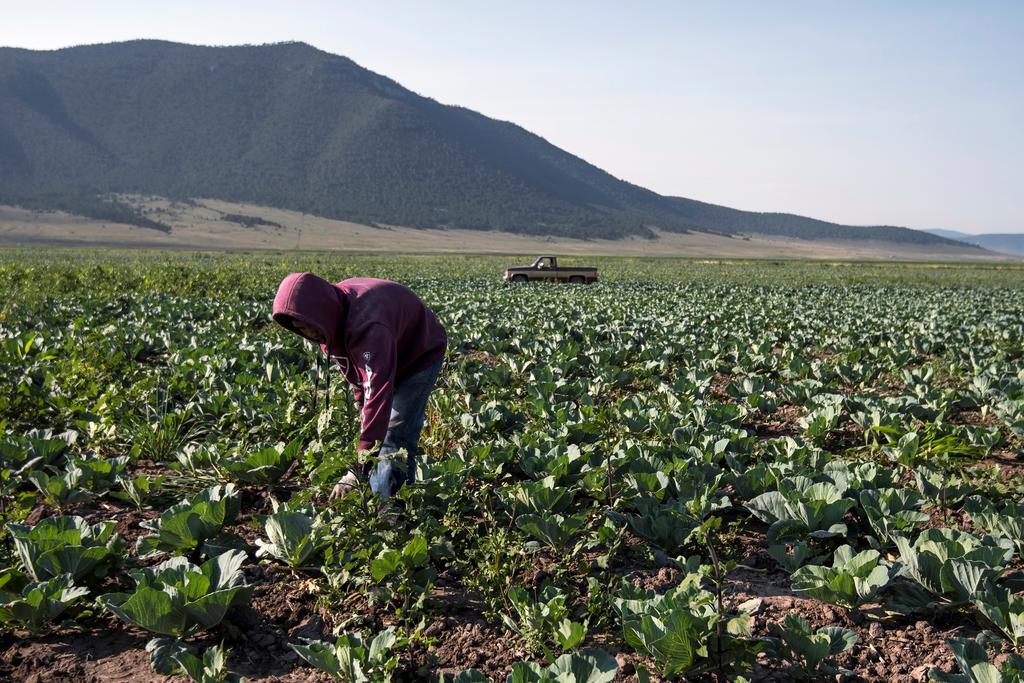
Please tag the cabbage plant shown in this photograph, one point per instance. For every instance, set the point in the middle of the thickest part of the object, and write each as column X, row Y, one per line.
column 554, row 530
column 802, row 507
column 851, row 580
column 185, row 526
column 543, row 620
column 63, row 489
column 37, row 448
column 810, row 652
column 66, row 545
column 353, row 658
column 892, row 512
column 1005, row 521
column 972, row 659
column 947, row 490
column 99, row 474
column 1005, row 611
column 665, row 526
column 293, row 537
column 679, row 629
column 264, row 466
column 172, row 657
column 590, row 665
column 31, row 606
column 952, row 566
column 532, row 497
column 177, row 598
column 820, row 422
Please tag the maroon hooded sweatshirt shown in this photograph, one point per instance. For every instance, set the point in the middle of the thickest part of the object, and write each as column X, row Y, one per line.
column 378, row 331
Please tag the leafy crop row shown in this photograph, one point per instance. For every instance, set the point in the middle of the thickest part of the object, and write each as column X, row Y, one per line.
column 166, row 456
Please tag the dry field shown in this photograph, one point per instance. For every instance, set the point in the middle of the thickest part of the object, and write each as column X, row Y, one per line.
column 201, row 225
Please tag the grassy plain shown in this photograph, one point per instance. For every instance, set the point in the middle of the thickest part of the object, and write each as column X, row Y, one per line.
column 202, row 225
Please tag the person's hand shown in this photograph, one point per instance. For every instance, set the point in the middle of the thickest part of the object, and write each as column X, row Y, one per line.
column 347, row 483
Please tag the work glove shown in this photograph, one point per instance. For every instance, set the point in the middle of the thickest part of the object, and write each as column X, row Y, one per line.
column 347, row 483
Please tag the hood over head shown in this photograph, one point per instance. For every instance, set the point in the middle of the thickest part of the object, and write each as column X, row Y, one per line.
column 312, row 300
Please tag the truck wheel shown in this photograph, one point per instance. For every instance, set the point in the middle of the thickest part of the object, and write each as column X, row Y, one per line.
column 520, row 278
column 577, row 279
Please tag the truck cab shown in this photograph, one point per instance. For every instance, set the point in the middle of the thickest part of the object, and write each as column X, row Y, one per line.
column 546, row 263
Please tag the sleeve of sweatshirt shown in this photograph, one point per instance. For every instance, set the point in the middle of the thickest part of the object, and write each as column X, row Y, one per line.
column 376, row 355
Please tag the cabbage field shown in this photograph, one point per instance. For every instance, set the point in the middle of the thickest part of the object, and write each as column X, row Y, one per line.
column 693, row 470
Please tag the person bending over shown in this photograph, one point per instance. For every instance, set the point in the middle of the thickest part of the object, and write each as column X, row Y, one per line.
column 390, row 347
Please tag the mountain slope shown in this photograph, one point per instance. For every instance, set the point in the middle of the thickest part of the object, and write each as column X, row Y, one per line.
column 293, row 127
column 1007, row 243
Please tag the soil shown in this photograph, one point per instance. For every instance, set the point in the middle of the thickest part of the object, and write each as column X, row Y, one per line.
column 974, row 418
column 483, row 357
column 894, row 649
column 782, row 422
column 94, row 656
column 718, row 384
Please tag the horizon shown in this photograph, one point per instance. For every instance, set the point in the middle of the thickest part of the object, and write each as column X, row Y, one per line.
column 942, row 155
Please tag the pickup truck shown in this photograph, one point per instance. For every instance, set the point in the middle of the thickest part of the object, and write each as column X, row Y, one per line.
column 545, row 269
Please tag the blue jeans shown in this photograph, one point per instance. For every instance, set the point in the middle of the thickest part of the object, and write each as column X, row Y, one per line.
column 408, row 408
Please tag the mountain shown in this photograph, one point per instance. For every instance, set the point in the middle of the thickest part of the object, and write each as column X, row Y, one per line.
column 1007, row 243
column 949, row 234
column 292, row 127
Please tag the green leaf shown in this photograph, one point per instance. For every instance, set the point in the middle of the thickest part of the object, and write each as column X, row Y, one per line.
column 163, row 653
column 320, row 655
column 585, row 666
column 265, row 466
column 415, row 553
column 852, row 580
column 148, row 608
column 208, row 610
column 385, row 564
column 570, row 634
column 381, row 644
column 553, row 529
column 590, row 665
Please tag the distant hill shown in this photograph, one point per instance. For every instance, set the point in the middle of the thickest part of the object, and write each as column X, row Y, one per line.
column 1007, row 243
column 949, row 234
column 292, row 127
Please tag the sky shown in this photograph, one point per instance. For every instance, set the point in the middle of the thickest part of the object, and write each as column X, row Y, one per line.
column 860, row 112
